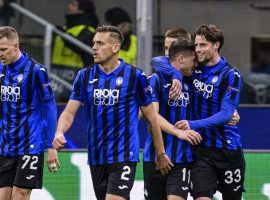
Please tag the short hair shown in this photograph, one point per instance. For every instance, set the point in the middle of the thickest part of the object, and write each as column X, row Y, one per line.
column 180, row 45
column 113, row 30
column 211, row 33
column 9, row 32
column 177, row 33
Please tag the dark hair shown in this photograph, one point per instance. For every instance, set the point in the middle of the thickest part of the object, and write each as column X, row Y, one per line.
column 180, row 45
column 116, row 16
column 211, row 33
column 9, row 32
column 115, row 32
column 87, row 6
column 177, row 33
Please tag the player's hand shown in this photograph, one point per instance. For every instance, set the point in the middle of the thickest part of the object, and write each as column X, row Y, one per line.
column 191, row 136
column 163, row 164
column 176, row 89
column 59, row 141
column 52, row 160
column 235, row 118
column 183, row 125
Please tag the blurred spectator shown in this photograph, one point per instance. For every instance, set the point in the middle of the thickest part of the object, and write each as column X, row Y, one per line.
column 68, row 59
column 119, row 17
column 5, row 12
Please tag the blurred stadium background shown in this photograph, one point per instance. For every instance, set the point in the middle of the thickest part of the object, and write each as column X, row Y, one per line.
column 247, row 45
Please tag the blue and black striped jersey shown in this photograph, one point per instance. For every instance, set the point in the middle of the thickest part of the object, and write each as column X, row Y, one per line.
column 214, row 87
column 172, row 110
column 24, row 85
column 111, row 102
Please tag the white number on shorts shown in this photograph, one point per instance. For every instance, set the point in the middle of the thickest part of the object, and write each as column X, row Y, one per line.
column 126, row 171
column 238, row 176
column 229, row 179
column 27, row 159
column 185, row 173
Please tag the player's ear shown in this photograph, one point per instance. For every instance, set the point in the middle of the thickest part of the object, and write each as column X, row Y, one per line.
column 116, row 48
column 217, row 45
column 17, row 46
column 180, row 58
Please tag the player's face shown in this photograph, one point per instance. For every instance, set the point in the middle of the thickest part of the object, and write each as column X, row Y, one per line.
column 104, row 47
column 204, row 49
column 167, row 43
column 189, row 64
column 8, row 51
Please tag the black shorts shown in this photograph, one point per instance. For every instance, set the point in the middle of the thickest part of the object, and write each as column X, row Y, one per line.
column 116, row 179
column 158, row 187
column 218, row 169
column 22, row 171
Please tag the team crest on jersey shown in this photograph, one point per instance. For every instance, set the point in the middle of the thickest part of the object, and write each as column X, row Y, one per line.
column 20, row 78
column 214, row 80
column 119, row 81
column 185, row 86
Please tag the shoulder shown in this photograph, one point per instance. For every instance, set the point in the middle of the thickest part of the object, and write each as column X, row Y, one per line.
column 89, row 69
column 138, row 71
column 37, row 67
column 231, row 70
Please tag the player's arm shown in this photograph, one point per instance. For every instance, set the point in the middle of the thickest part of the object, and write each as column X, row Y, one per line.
column 189, row 135
column 64, row 123
column 161, row 64
column 49, row 114
column 230, row 101
column 163, row 162
column 67, row 116
column 143, row 98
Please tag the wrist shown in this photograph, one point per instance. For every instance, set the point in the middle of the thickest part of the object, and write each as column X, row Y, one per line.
column 192, row 125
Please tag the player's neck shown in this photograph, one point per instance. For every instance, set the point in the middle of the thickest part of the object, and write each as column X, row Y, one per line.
column 213, row 61
column 110, row 65
column 16, row 57
column 175, row 64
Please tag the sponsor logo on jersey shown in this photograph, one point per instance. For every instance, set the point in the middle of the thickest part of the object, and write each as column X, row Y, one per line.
column 106, row 96
column 183, row 100
column 202, row 88
column 92, row 81
column 10, row 93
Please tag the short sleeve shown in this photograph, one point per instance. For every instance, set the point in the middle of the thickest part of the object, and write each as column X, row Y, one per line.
column 154, row 84
column 43, row 84
column 232, row 85
column 143, row 90
column 77, row 92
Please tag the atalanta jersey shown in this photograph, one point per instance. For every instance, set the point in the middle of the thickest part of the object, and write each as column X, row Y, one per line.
column 111, row 102
column 179, row 151
column 214, row 87
column 24, row 85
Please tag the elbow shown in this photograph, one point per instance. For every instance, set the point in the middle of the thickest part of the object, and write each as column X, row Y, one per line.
column 227, row 114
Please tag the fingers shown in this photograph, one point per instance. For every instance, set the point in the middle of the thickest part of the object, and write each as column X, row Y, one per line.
column 59, row 142
column 183, row 125
column 164, row 165
column 57, row 163
column 53, row 167
column 194, row 138
column 176, row 89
